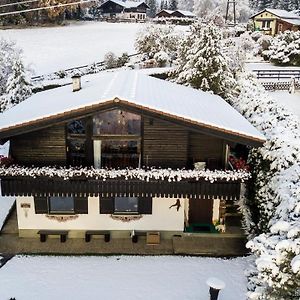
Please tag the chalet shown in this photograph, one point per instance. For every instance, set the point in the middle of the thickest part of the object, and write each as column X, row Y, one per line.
column 274, row 21
column 123, row 154
column 175, row 14
column 126, row 10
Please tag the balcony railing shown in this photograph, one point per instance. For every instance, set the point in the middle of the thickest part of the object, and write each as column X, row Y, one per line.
column 28, row 186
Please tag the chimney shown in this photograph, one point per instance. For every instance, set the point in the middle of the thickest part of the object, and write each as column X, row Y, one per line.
column 76, row 80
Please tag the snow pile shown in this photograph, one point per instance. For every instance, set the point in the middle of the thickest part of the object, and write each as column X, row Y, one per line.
column 273, row 203
column 120, row 277
column 140, row 174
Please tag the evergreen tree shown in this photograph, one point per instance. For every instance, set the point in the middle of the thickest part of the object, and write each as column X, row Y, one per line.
column 18, row 86
column 201, row 63
column 152, row 7
column 173, row 5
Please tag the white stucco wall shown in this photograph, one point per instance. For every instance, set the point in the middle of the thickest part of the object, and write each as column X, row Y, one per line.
column 161, row 219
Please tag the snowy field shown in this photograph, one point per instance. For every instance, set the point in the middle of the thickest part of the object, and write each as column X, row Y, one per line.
column 262, row 65
column 52, row 49
column 124, row 277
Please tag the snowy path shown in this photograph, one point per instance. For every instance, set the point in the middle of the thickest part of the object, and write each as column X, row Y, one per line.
column 125, row 277
column 56, row 48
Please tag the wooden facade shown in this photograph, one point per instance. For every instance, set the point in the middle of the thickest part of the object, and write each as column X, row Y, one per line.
column 42, row 147
column 164, row 144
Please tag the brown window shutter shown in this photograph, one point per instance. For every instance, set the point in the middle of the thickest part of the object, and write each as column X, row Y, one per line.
column 41, row 205
column 107, row 205
column 145, row 206
column 81, row 205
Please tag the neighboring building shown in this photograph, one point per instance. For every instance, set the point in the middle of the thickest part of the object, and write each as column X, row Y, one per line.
column 126, row 10
column 175, row 14
column 123, row 120
column 274, row 21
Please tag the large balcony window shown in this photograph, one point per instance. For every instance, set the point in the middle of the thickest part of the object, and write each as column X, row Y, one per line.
column 117, row 139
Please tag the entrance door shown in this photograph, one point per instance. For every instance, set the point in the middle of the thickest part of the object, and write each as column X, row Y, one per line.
column 200, row 211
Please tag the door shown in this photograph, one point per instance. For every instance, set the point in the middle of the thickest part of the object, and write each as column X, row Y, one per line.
column 200, row 211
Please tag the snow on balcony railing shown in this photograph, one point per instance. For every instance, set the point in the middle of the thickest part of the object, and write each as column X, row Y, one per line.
column 127, row 174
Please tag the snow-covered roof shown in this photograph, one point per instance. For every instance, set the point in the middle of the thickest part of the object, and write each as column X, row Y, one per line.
column 186, row 13
column 134, row 89
column 279, row 13
column 183, row 12
column 292, row 21
column 127, row 4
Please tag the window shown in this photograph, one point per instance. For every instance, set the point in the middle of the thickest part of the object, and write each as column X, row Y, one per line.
column 117, row 139
column 125, row 205
column 76, row 143
column 117, row 122
column 61, row 204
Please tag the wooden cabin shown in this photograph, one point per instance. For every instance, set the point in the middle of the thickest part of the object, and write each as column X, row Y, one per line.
column 125, row 10
column 274, row 21
column 119, row 153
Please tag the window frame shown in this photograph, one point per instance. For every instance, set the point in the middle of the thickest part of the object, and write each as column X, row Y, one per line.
column 60, row 212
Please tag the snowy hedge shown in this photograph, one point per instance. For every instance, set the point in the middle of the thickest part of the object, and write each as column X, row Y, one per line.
column 140, row 174
column 273, row 205
column 285, row 49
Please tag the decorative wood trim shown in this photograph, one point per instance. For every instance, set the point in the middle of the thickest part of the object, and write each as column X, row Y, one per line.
column 126, row 218
column 62, row 219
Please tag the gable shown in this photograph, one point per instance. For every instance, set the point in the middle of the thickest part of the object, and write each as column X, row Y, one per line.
column 134, row 91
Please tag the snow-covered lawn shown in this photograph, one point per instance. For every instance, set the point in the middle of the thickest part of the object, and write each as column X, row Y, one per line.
column 290, row 101
column 124, row 277
column 56, row 48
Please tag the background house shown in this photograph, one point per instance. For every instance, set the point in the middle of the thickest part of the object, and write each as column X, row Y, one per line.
column 274, row 21
column 126, row 10
column 175, row 14
column 123, row 120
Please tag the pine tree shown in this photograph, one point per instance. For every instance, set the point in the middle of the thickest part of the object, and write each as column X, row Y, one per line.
column 18, row 86
column 152, row 7
column 201, row 63
column 173, row 5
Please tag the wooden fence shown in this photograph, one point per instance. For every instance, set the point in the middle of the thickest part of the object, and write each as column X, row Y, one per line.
column 277, row 74
column 82, row 70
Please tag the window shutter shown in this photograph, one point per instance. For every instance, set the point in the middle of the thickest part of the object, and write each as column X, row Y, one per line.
column 81, row 205
column 41, row 205
column 145, row 206
column 107, row 205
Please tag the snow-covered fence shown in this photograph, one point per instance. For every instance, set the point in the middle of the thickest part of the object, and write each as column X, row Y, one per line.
column 280, row 86
column 82, row 70
column 277, row 74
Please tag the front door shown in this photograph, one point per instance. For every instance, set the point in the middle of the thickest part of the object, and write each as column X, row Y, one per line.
column 200, row 211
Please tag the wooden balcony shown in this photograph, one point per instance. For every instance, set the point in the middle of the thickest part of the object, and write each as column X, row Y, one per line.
column 42, row 186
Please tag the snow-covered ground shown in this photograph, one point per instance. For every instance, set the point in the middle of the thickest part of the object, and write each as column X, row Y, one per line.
column 290, row 101
column 56, row 48
column 5, row 202
column 124, row 277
